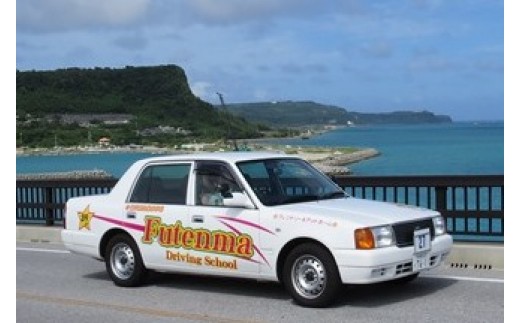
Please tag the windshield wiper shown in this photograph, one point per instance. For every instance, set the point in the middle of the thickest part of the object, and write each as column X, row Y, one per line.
column 300, row 198
column 332, row 195
column 313, row 197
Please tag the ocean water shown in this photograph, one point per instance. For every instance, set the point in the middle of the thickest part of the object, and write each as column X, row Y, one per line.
column 113, row 163
column 472, row 148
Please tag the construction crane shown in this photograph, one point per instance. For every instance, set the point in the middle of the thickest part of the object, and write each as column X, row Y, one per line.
column 228, row 136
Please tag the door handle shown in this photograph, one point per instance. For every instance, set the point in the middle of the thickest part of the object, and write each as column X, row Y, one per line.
column 197, row 218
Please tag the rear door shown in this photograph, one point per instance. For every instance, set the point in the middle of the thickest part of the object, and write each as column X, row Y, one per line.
column 158, row 201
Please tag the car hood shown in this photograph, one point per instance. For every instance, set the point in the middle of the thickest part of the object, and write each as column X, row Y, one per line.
column 363, row 212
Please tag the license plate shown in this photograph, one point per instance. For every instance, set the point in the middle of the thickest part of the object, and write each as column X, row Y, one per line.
column 422, row 240
column 420, row 262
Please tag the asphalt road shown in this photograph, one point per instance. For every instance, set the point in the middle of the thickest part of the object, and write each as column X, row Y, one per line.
column 53, row 285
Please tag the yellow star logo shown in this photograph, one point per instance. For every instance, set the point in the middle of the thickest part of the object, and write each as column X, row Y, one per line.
column 84, row 218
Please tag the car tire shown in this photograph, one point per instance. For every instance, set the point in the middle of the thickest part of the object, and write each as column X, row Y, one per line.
column 124, row 262
column 311, row 276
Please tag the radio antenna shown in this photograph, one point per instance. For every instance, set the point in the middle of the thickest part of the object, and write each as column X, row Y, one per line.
column 228, row 136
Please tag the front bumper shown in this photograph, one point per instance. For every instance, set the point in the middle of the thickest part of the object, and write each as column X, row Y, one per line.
column 371, row 266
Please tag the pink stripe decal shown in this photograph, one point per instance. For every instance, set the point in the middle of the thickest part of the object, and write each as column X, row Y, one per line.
column 251, row 224
column 123, row 224
column 252, row 260
column 256, row 249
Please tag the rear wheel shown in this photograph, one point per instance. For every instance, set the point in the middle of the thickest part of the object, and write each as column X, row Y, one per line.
column 311, row 276
column 123, row 261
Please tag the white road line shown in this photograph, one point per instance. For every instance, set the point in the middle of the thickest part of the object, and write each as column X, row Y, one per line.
column 42, row 250
column 474, row 279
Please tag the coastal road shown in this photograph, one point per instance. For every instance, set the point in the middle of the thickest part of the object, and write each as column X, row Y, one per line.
column 53, row 285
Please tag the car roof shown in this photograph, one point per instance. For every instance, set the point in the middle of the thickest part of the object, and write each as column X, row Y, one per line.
column 232, row 157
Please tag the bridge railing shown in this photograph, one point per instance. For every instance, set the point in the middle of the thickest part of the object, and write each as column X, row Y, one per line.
column 473, row 206
column 43, row 201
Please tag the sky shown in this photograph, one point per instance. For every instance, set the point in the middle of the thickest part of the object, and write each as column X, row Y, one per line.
column 367, row 56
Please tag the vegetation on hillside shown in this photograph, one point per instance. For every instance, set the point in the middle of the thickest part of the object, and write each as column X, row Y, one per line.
column 153, row 96
column 305, row 113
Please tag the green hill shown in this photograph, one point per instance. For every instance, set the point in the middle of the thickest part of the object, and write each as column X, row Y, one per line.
column 306, row 113
column 152, row 96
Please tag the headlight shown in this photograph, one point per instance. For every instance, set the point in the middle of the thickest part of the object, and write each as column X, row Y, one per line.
column 439, row 225
column 378, row 237
column 384, row 236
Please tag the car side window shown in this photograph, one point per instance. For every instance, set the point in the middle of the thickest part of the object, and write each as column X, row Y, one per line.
column 164, row 184
column 257, row 177
column 213, row 183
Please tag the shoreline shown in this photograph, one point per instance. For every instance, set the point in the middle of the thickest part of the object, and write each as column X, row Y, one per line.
column 330, row 160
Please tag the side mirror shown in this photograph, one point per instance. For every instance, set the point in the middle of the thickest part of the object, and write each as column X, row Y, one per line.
column 238, row 199
column 224, row 190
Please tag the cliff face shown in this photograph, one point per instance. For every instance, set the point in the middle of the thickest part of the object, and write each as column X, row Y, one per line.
column 105, row 90
column 294, row 113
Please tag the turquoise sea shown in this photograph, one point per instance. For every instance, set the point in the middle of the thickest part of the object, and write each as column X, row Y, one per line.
column 460, row 148
column 470, row 148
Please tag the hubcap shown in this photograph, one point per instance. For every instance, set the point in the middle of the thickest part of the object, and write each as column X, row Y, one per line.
column 122, row 261
column 308, row 276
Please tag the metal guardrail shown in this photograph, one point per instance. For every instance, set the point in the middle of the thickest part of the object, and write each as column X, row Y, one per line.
column 43, row 201
column 473, row 206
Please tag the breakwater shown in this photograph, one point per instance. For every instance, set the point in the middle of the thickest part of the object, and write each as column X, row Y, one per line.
column 335, row 164
column 71, row 175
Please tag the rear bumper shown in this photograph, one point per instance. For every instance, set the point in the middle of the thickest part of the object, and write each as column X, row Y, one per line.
column 79, row 242
column 371, row 266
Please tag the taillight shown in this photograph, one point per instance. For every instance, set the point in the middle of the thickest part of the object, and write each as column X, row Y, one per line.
column 65, row 217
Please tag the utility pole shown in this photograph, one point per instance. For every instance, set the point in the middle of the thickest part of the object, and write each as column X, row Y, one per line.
column 228, row 137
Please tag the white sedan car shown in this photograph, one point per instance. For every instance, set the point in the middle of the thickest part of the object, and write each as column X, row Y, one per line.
column 257, row 215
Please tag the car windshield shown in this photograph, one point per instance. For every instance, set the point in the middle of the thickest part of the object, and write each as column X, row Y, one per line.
column 283, row 181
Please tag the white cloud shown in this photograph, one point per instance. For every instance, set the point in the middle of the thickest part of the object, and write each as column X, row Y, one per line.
column 203, row 90
column 63, row 15
column 222, row 11
column 231, row 12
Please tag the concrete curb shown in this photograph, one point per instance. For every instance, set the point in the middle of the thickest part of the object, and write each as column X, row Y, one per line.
column 464, row 255
column 476, row 255
column 35, row 233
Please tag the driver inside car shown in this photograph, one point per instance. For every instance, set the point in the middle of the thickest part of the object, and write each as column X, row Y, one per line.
column 210, row 192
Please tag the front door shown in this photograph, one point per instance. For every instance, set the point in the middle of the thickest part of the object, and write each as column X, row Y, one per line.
column 225, row 237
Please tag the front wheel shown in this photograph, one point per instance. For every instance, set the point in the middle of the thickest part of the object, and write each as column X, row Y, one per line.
column 123, row 261
column 311, row 276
